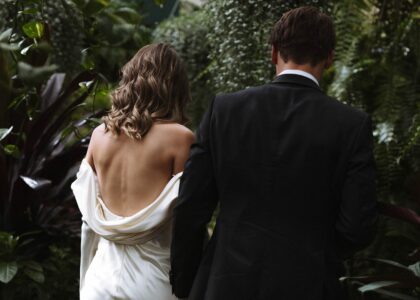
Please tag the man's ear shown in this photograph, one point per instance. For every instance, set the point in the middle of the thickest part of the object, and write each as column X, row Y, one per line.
column 330, row 60
column 274, row 55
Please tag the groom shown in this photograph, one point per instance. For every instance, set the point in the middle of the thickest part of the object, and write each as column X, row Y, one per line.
column 293, row 173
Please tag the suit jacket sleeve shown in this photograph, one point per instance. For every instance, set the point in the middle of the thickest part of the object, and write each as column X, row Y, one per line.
column 358, row 207
column 193, row 210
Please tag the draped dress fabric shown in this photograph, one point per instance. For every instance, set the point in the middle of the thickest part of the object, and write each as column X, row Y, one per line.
column 123, row 257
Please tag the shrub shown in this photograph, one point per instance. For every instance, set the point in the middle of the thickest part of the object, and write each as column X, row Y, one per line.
column 188, row 35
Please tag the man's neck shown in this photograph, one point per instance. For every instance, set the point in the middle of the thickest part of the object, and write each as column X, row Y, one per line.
column 301, row 73
column 315, row 71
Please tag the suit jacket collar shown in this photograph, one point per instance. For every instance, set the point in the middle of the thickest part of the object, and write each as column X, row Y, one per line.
column 296, row 79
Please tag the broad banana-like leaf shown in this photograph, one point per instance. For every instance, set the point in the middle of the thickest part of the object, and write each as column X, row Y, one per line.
column 55, row 126
column 52, row 89
column 376, row 285
column 398, row 212
column 44, row 119
column 36, row 183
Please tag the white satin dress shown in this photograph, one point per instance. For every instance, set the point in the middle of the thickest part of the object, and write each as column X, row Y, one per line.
column 123, row 257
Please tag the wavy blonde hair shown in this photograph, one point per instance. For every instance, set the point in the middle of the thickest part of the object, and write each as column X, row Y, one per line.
column 154, row 86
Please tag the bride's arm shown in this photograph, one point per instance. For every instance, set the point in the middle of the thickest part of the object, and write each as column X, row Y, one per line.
column 182, row 151
column 93, row 141
column 89, row 245
column 89, row 239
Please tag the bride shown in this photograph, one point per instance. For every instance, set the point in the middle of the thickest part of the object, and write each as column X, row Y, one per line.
column 129, row 179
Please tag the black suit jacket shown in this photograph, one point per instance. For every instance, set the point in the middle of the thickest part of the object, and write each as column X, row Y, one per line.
column 293, row 172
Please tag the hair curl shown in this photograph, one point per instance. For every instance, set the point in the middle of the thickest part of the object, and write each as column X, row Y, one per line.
column 154, row 87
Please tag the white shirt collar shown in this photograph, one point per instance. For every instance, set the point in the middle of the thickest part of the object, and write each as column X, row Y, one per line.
column 301, row 73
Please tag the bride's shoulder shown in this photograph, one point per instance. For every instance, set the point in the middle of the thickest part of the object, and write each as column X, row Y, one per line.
column 176, row 130
column 98, row 133
column 100, row 136
column 96, row 138
column 100, row 129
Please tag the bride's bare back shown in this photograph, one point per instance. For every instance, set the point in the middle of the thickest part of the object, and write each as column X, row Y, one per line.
column 132, row 173
column 134, row 154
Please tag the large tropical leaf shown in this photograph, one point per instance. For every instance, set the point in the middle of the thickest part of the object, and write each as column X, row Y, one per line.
column 44, row 119
column 8, row 270
column 34, row 270
column 376, row 285
column 395, row 295
column 401, row 213
column 52, row 90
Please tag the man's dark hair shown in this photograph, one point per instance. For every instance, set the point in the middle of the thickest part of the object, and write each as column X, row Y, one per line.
column 304, row 35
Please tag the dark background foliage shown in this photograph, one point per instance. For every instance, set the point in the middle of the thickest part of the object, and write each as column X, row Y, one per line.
column 188, row 35
column 60, row 59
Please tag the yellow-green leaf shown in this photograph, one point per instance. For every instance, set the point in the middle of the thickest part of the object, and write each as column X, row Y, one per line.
column 34, row 29
column 12, row 150
column 160, row 2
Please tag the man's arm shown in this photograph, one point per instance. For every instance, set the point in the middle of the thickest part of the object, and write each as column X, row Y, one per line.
column 358, row 207
column 193, row 210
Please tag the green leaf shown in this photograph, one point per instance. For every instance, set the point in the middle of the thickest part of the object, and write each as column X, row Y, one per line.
column 160, row 2
column 34, row 271
column 415, row 268
column 391, row 263
column 12, row 150
column 8, row 270
column 33, row 75
column 376, row 285
column 86, row 84
column 17, row 101
column 29, row 11
column 33, row 1
column 25, row 50
column 4, row 132
column 9, row 47
column 7, row 242
column 33, row 29
column 95, row 6
column 395, row 295
column 80, row 4
column 128, row 14
column 5, row 35
column 4, row 41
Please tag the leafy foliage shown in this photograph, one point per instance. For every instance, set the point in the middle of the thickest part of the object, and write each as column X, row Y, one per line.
column 384, row 48
column 53, row 277
column 47, row 21
column 36, row 192
column 188, row 35
column 113, row 34
column 240, row 51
